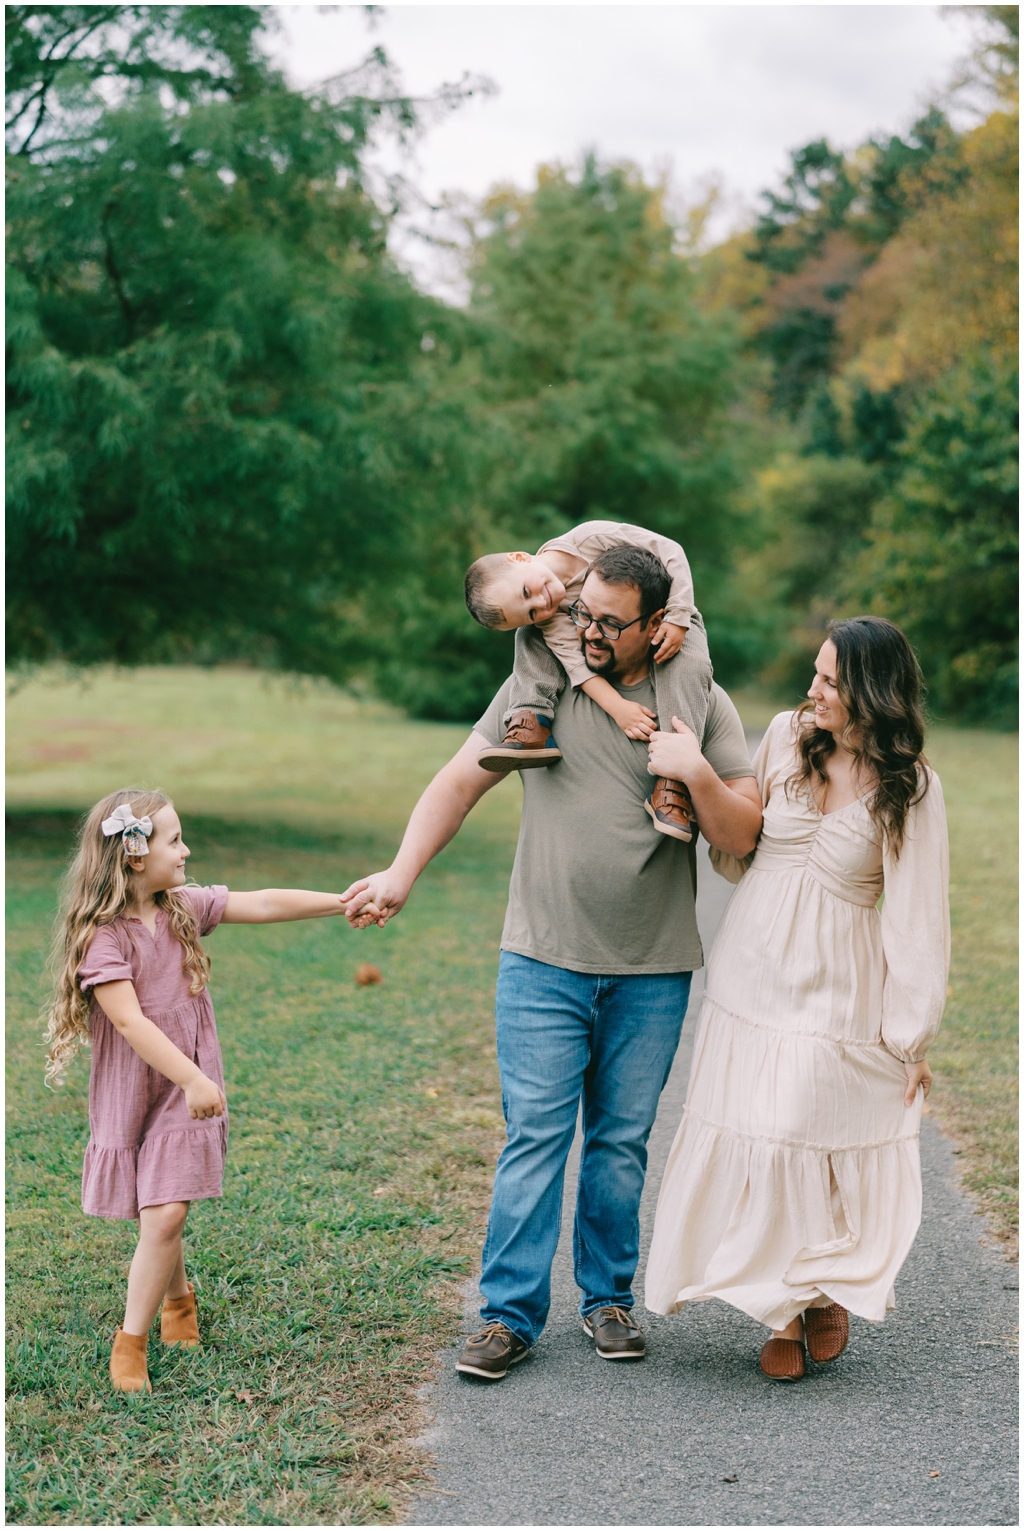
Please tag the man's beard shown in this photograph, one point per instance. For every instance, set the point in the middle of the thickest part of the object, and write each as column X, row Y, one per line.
column 606, row 667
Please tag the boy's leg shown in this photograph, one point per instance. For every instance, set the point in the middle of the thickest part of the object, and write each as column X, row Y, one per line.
column 537, row 682
column 543, row 1030
column 683, row 690
column 538, row 679
column 682, row 684
column 636, row 1032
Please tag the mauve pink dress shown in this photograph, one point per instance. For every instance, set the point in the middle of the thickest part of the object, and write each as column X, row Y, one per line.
column 145, row 1149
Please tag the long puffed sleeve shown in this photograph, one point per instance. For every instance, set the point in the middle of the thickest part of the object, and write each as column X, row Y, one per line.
column 915, row 930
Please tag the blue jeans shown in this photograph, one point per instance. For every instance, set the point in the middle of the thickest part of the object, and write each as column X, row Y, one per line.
column 563, row 1036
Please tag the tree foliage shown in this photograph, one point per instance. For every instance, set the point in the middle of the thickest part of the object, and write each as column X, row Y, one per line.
column 237, row 430
column 221, row 417
column 610, row 389
column 887, row 309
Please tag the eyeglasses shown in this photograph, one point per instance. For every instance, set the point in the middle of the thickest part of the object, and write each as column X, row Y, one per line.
column 613, row 631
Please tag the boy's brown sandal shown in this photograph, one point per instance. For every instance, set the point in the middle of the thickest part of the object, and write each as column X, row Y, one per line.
column 783, row 1360
column 827, row 1331
column 527, row 743
column 671, row 808
column 179, row 1322
column 128, row 1370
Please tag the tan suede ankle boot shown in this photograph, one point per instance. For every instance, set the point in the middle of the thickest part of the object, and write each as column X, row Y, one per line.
column 128, row 1370
column 179, row 1323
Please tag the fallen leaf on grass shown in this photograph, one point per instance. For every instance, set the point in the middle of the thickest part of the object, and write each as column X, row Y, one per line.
column 244, row 1397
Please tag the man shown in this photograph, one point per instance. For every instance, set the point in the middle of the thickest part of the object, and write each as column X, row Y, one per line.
column 597, row 953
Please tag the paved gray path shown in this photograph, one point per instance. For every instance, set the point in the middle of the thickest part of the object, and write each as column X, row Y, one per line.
column 695, row 1436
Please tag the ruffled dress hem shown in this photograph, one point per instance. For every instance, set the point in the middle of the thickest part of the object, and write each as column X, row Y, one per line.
column 838, row 1223
column 185, row 1164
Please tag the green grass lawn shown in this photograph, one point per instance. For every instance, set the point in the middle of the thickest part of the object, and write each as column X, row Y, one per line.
column 365, row 1122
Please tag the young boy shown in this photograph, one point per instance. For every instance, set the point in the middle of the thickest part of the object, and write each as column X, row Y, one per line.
column 535, row 595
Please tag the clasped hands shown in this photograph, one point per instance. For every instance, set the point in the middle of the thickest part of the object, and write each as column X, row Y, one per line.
column 373, row 900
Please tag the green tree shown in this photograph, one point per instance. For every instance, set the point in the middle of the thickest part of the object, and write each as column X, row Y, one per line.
column 941, row 553
column 609, row 390
column 225, row 437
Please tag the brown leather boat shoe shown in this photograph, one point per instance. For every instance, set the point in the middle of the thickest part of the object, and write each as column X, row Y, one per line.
column 615, row 1336
column 671, row 808
column 490, row 1353
column 527, row 743
column 783, row 1360
column 827, row 1331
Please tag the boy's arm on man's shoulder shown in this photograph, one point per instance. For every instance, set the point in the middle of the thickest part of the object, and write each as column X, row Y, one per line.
column 681, row 604
column 593, row 537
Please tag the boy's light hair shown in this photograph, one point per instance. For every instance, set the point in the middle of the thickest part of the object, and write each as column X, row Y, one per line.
column 480, row 579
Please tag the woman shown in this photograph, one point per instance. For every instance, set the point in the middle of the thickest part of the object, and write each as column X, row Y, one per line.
column 793, row 1189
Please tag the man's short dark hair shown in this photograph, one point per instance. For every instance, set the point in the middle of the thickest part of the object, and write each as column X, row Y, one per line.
column 627, row 565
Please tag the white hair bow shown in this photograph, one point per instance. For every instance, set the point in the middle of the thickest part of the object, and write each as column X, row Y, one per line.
column 134, row 832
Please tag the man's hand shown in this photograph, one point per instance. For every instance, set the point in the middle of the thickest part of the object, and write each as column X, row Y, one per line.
column 728, row 812
column 677, row 755
column 668, row 640
column 919, row 1075
column 373, row 900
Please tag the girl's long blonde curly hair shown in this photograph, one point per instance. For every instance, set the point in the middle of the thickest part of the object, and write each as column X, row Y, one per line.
column 97, row 890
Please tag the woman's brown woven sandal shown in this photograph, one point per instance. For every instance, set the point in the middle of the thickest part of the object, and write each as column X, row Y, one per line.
column 783, row 1360
column 827, row 1331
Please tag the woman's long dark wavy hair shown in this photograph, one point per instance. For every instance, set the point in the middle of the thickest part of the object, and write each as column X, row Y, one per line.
column 879, row 683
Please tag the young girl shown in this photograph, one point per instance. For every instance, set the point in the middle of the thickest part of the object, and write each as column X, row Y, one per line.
column 130, row 938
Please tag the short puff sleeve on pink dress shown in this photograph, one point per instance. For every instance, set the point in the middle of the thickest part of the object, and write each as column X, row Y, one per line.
column 144, row 1149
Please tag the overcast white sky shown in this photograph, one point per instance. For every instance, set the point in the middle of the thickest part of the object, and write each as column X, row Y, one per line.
column 699, row 89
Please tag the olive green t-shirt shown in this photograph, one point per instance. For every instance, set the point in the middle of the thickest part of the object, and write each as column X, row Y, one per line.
column 595, row 887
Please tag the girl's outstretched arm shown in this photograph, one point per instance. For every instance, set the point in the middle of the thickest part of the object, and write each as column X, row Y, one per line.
column 269, row 906
column 121, row 1003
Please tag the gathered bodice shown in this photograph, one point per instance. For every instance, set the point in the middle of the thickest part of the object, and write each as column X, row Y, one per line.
column 841, row 850
column 809, row 925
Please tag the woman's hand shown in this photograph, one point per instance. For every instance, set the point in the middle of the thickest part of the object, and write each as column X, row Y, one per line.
column 917, row 1074
column 668, row 640
column 675, row 755
column 204, row 1098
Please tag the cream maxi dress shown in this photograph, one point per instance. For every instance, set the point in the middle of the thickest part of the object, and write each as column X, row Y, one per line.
column 794, row 1179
